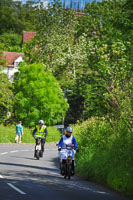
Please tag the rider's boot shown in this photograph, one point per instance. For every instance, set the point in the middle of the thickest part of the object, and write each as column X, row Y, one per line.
column 34, row 153
column 41, row 154
column 73, row 172
column 63, row 167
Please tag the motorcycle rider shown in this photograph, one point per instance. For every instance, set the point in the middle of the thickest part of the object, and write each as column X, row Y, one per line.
column 65, row 140
column 41, row 130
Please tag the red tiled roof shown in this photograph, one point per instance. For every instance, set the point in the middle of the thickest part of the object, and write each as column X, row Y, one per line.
column 10, row 57
column 28, row 36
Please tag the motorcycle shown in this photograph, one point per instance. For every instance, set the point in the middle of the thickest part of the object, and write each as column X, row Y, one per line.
column 66, row 165
column 38, row 149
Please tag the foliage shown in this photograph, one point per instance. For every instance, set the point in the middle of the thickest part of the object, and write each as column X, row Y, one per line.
column 6, row 97
column 2, row 60
column 38, row 96
column 9, row 137
column 89, row 55
column 105, row 154
column 11, row 42
column 16, row 16
column 106, row 76
column 53, row 135
column 55, row 47
column 53, row 40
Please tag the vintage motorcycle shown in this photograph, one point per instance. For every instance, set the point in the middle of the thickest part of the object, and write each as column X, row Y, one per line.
column 66, row 165
column 38, row 149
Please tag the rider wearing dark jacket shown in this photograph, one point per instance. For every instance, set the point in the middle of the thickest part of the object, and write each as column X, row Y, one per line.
column 40, row 131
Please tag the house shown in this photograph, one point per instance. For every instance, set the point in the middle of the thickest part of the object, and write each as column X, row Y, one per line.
column 13, row 59
column 27, row 36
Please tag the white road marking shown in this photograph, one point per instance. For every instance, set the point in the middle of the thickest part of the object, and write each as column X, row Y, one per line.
column 14, row 151
column 4, row 153
column 100, row 192
column 15, row 188
column 25, row 150
column 50, row 149
column 1, row 176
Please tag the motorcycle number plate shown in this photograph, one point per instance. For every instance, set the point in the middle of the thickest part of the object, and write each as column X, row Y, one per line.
column 38, row 147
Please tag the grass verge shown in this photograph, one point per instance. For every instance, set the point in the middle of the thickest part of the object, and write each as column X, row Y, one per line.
column 8, row 133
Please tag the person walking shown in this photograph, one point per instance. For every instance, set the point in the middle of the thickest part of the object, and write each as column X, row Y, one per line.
column 19, row 132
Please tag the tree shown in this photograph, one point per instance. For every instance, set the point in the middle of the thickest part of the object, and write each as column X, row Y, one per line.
column 38, row 96
column 6, row 97
column 89, row 55
column 11, row 42
column 55, row 38
column 107, row 73
column 16, row 16
column 3, row 62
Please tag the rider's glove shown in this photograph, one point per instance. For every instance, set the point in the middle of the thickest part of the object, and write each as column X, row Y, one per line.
column 59, row 149
column 77, row 150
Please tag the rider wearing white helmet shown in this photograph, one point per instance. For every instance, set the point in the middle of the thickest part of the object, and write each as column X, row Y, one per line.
column 67, row 139
column 41, row 130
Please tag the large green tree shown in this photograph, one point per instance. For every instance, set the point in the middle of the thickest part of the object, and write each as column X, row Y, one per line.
column 15, row 16
column 38, row 96
column 107, row 75
column 89, row 55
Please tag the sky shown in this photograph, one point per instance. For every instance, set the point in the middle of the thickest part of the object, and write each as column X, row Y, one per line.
column 67, row 2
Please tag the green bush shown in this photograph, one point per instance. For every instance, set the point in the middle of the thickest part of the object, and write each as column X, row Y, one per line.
column 105, row 153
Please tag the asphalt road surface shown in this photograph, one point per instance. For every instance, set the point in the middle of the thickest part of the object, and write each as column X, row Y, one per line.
column 22, row 177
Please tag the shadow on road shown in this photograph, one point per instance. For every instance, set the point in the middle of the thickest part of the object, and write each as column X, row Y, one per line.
column 49, row 178
column 29, row 166
column 24, row 157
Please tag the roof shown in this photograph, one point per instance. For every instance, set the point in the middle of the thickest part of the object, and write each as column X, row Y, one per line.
column 79, row 13
column 10, row 57
column 27, row 36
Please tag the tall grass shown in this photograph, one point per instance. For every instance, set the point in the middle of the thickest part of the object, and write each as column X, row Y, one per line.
column 8, row 133
column 106, row 154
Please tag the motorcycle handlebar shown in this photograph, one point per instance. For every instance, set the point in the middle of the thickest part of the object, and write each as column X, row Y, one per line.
column 69, row 145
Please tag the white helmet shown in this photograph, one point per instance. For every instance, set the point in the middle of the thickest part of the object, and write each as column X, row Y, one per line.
column 41, row 122
column 69, row 129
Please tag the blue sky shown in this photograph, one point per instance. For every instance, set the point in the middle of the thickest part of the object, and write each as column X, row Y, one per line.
column 67, row 2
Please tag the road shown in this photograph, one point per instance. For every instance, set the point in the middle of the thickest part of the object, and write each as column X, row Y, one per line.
column 22, row 177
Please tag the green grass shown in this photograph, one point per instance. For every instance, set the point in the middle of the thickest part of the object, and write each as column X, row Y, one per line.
column 8, row 133
column 105, row 154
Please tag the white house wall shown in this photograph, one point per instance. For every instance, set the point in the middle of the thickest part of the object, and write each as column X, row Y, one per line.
column 17, row 61
column 10, row 71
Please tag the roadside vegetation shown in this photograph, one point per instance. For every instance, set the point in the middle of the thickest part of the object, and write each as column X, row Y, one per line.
column 87, row 59
column 8, row 133
column 105, row 154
